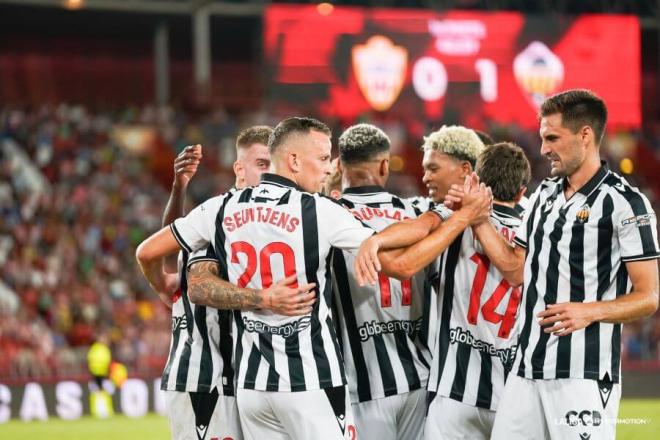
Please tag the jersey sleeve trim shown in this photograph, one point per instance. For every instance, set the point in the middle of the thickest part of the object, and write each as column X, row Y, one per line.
column 520, row 242
column 179, row 238
column 200, row 259
column 643, row 257
column 443, row 213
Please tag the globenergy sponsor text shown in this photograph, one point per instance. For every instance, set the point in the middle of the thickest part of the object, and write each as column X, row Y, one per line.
column 284, row 330
column 373, row 328
column 460, row 336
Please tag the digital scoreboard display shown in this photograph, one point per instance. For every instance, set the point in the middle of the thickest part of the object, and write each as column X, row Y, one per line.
column 458, row 66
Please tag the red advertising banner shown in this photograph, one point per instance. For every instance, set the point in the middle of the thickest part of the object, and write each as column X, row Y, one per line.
column 468, row 67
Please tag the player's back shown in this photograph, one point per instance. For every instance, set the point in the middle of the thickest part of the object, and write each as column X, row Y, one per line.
column 384, row 327
column 477, row 309
column 270, row 232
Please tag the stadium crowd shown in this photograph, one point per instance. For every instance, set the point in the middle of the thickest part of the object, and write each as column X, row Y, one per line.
column 80, row 189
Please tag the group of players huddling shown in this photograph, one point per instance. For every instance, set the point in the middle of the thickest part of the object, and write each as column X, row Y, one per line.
column 474, row 313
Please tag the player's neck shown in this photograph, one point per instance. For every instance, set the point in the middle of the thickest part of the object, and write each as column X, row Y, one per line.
column 500, row 202
column 283, row 171
column 354, row 178
column 582, row 175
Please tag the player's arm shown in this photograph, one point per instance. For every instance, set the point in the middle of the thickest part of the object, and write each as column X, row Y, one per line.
column 508, row 259
column 565, row 318
column 404, row 264
column 207, row 288
column 150, row 254
column 185, row 167
column 397, row 235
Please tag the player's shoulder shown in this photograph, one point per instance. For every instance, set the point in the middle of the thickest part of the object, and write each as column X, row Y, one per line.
column 404, row 203
column 624, row 195
column 420, row 203
column 522, row 206
column 328, row 204
column 506, row 215
column 548, row 184
column 616, row 184
column 214, row 203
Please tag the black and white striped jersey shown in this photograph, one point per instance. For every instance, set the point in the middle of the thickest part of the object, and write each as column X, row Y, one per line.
column 201, row 347
column 421, row 203
column 477, row 311
column 384, row 328
column 263, row 234
column 576, row 251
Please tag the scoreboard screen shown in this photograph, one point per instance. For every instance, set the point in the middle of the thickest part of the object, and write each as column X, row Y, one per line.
column 455, row 66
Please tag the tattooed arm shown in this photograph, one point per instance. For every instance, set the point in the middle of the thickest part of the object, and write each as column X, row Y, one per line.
column 205, row 287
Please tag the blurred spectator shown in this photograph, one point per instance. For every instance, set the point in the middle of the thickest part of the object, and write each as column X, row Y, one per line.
column 74, row 204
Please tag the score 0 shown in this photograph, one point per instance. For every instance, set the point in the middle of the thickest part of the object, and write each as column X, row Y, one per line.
column 429, row 78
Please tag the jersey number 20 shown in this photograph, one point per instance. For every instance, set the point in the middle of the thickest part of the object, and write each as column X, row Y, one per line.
column 276, row 247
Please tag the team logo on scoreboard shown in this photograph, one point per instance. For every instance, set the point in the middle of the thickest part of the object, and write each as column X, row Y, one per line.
column 380, row 69
column 539, row 72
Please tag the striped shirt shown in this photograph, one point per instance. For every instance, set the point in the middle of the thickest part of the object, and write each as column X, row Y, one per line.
column 384, row 328
column 200, row 356
column 477, row 309
column 263, row 234
column 575, row 251
column 421, row 203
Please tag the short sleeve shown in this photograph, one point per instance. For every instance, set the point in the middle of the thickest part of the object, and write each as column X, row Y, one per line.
column 203, row 254
column 341, row 228
column 196, row 230
column 636, row 227
column 422, row 204
column 442, row 211
column 521, row 232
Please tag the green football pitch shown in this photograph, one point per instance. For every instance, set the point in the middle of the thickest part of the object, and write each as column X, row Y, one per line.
column 639, row 420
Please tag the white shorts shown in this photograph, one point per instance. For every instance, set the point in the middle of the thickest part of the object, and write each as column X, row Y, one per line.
column 557, row 409
column 449, row 419
column 392, row 418
column 200, row 416
column 318, row 414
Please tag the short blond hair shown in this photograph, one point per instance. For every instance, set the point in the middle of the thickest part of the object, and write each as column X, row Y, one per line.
column 455, row 140
column 257, row 134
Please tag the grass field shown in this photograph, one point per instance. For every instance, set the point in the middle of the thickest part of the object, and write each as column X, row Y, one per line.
column 154, row 427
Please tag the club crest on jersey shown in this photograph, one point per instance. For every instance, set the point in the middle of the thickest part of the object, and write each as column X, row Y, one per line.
column 583, row 214
column 380, row 70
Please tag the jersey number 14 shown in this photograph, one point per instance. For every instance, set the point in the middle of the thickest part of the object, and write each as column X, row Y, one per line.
column 489, row 308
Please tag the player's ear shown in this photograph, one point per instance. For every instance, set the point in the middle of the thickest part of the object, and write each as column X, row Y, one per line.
column 466, row 168
column 239, row 170
column 587, row 135
column 293, row 160
column 384, row 168
column 520, row 195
